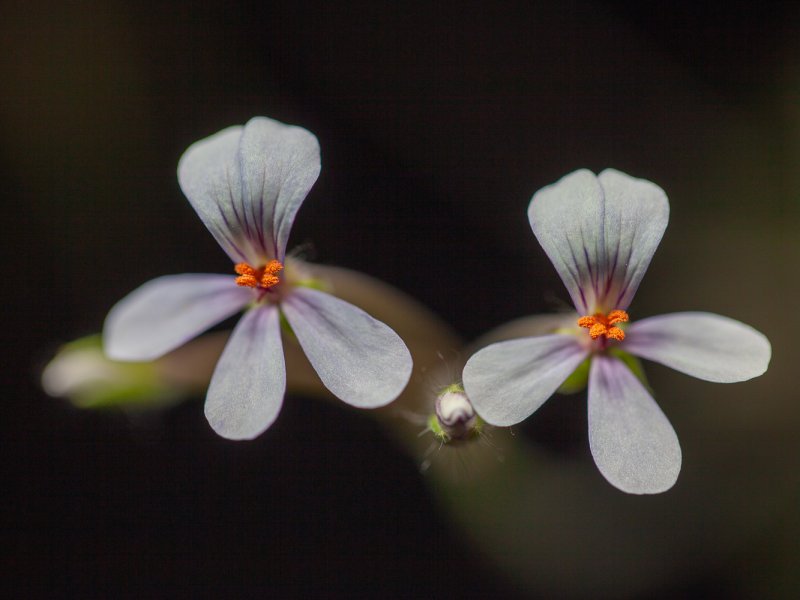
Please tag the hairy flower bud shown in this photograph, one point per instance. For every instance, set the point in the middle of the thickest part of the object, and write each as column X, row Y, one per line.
column 454, row 419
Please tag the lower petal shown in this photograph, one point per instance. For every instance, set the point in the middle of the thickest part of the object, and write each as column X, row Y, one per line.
column 167, row 312
column 703, row 345
column 508, row 381
column 247, row 388
column 632, row 442
column 358, row 358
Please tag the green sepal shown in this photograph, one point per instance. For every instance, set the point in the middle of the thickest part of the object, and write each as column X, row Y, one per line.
column 634, row 364
column 436, row 429
column 453, row 388
column 313, row 283
column 578, row 380
column 117, row 384
column 285, row 326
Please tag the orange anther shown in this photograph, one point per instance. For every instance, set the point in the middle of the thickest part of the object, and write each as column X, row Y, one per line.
column 246, row 281
column 602, row 325
column 615, row 333
column 617, row 316
column 264, row 277
column 273, row 267
column 270, row 274
column 244, row 269
column 267, row 281
column 597, row 330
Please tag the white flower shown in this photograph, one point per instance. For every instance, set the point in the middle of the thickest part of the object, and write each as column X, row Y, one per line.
column 246, row 184
column 600, row 232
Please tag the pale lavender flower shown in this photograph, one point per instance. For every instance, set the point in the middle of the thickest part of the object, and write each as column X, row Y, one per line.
column 600, row 232
column 246, row 184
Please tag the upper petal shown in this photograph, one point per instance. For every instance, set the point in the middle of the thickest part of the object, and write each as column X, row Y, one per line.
column 246, row 391
column 168, row 311
column 279, row 165
column 508, row 381
column 210, row 177
column 600, row 233
column 247, row 183
column 704, row 345
column 358, row 358
column 632, row 442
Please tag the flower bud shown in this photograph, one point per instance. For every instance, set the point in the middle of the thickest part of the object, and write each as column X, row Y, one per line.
column 82, row 373
column 454, row 419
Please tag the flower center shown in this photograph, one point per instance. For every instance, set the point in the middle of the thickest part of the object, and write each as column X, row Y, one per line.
column 264, row 277
column 604, row 325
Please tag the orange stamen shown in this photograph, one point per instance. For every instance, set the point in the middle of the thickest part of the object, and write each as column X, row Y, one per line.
column 617, row 316
column 597, row 330
column 615, row 333
column 603, row 325
column 264, row 277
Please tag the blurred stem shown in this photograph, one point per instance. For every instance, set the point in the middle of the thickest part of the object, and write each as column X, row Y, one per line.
column 499, row 491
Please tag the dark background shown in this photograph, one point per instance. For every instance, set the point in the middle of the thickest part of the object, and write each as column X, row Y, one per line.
column 437, row 124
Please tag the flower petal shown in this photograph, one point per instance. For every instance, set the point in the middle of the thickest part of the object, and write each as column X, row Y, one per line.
column 703, row 345
column 247, row 183
column 279, row 164
column 168, row 311
column 632, row 442
column 600, row 233
column 361, row 360
column 209, row 175
column 508, row 381
column 247, row 388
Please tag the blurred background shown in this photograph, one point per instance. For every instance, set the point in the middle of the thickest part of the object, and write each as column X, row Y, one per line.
column 437, row 124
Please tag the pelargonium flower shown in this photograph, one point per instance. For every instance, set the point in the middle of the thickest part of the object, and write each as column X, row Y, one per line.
column 600, row 233
column 246, row 184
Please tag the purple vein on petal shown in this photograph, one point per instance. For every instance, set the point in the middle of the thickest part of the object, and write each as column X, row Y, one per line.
column 270, row 223
column 628, row 274
column 254, row 204
column 611, row 275
column 228, row 239
column 574, row 273
column 600, row 242
column 260, row 220
column 589, row 266
column 232, row 203
column 642, row 210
